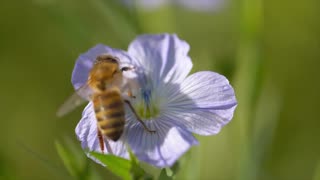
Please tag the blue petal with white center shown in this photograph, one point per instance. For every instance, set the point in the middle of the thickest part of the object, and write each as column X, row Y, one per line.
column 167, row 101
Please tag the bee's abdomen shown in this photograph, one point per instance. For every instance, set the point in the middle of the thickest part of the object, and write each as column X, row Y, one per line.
column 109, row 109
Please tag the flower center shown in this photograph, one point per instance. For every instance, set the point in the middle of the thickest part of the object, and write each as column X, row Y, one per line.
column 147, row 107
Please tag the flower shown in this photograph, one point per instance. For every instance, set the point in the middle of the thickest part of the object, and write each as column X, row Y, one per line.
column 198, row 5
column 169, row 101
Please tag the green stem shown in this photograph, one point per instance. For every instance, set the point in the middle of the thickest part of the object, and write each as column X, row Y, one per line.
column 248, row 82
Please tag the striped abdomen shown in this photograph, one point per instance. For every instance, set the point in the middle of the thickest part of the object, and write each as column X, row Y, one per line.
column 110, row 114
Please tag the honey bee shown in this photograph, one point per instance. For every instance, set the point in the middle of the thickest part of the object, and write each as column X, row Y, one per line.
column 104, row 88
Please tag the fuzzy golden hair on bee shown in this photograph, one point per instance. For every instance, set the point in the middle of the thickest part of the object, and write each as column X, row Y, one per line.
column 106, row 58
column 104, row 72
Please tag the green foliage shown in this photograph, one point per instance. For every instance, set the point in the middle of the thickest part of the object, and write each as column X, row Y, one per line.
column 271, row 48
column 75, row 161
column 316, row 175
column 68, row 158
column 126, row 169
column 170, row 173
column 117, row 165
column 122, row 25
column 56, row 170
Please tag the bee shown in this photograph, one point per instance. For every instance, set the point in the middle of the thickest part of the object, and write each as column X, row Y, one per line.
column 104, row 88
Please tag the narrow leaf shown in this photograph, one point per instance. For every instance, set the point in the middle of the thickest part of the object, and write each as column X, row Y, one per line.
column 137, row 172
column 120, row 24
column 56, row 170
column 119, row 166
column 164, row 176
column 316, row 175
column 175, row 168
column 66, row 158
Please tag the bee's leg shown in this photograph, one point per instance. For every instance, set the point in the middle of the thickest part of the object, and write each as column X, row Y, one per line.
column 130, row 93
column 138, row 118
column 101, row 142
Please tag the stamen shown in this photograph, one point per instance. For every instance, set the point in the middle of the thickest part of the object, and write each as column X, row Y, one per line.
column 147, row 109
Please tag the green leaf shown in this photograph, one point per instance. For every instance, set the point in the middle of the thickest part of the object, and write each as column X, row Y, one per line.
column 175, row 168
column 67, row 158
column 169, row 173
column 316, row 175
column 134, row 160
column 121, row 25
column 164, row 176
column 45, row 161
column 76, row 161
column 119, row 166
column 137, row 172
column 126, row 169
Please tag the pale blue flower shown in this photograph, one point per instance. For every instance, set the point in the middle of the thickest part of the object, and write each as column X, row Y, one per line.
column 169, row 101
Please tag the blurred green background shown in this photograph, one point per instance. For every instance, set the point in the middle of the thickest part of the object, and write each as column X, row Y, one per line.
column 270, row 51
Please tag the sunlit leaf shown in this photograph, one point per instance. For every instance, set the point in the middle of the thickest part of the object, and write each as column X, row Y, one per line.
column 126, row 169
column 169, row 173
column 164, row 176
column 316, row 175
column 67, row 158
column 137, row 171
column 119, row 166
column 75, row 160
column 45, row 161
column 175, row 168
column 121, row 25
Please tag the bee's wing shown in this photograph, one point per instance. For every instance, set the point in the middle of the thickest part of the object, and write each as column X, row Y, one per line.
column 82, row 95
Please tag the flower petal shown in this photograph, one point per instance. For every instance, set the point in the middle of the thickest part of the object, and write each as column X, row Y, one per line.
column 85, row 62
column 205, row 103
column 202, row 121
column 163, row 147
column 164, row 57
column 87, row 134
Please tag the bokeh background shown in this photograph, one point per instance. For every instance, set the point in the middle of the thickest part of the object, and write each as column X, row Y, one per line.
column 269, row 49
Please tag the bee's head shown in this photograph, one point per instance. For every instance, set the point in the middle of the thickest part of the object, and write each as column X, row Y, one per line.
column 106, row 65
column 107, row 58
column 104, row 71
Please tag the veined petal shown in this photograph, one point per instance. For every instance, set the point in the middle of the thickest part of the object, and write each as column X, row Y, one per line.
column 204, row 89
column 85, row 62
column 163, row 147
column 87, row 134
column 164, row 57
column 205, row 103
column 202, row 121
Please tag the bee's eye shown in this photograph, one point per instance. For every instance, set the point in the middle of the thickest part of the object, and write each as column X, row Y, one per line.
column 108, row 58
column 112, row 60
column 126, row 69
